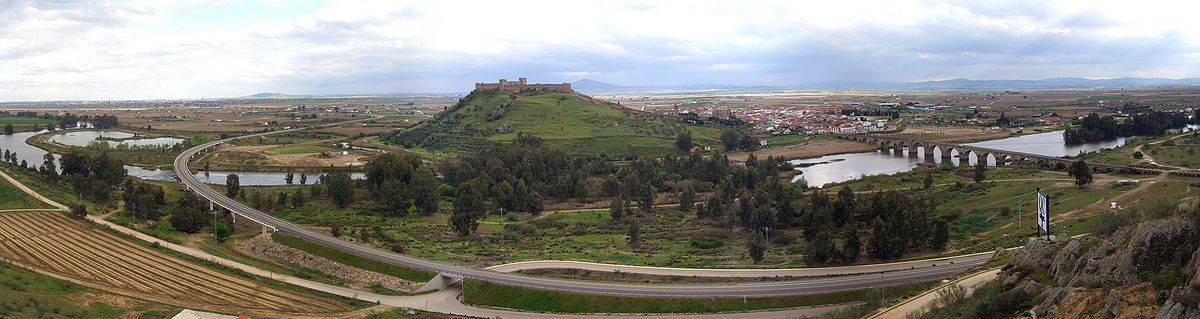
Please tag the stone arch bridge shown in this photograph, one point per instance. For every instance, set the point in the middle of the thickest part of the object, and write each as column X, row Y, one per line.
column 948, row 150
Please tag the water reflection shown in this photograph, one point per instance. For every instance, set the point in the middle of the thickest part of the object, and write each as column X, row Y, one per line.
column 85, row 138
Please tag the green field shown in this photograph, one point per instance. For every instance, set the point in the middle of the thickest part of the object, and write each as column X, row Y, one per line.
column 489, row 294
column 13, row 198
column 23, row 120
column 294, row 149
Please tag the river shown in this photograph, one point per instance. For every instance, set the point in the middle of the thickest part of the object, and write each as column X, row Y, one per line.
column 33, row 155
column 817, row 172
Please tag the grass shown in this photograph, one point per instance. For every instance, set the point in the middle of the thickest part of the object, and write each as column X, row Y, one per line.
column 13, row 198
column 294, row 149
column 23, row 120
column 565, row 122
column 26, row 294
column 353, row 260
column 489, row 294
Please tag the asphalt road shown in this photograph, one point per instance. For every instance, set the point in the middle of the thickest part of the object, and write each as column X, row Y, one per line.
column 743, row 273
column 766, row 288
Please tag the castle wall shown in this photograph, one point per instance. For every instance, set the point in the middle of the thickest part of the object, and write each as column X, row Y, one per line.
column 519, row 86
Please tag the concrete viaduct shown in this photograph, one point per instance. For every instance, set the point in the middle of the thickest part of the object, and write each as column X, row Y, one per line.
column 948, row 150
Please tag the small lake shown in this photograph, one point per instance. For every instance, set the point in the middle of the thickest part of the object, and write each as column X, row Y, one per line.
column 845, row 167
column 85, row 138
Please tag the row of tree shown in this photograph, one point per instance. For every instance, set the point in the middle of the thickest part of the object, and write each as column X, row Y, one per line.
column 1096, row 128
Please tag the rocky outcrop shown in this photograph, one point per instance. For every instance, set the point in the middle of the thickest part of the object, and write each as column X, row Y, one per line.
column 1184, row 303
column 262, row 246
column 1073, row 274
column 1159, row 242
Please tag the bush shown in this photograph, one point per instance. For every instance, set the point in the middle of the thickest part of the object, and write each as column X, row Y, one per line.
column 710, row 241
column 1108, row 222
column 397, row 248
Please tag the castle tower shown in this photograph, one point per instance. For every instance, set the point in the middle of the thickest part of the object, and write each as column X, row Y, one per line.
column 522, row 80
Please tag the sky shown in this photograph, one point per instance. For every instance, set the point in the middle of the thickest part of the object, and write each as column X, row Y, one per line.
column 169, row 49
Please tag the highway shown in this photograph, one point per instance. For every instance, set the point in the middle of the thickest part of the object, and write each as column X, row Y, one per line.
column 765, row 288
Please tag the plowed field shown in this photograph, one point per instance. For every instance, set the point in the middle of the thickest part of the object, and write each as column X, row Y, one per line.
column 52, row 241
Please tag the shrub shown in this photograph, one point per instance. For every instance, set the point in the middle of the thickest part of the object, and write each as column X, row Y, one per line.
column 1108, row 222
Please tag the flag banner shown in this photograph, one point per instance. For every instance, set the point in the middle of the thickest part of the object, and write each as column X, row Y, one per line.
column 1043, row 206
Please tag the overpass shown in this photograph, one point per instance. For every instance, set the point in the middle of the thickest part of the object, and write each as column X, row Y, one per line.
column 765, row 288
column 949, row 150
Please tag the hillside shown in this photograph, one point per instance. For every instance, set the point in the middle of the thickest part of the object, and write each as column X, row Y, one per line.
column 571, row 122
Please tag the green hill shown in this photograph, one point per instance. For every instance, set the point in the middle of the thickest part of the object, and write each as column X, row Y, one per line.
column 571, row 122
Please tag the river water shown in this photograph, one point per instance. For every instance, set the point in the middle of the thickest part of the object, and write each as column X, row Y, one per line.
column 85, row 138
column 33, row 155
column 817, row 172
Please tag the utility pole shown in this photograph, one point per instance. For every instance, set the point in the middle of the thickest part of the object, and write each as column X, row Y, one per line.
column 502, row 257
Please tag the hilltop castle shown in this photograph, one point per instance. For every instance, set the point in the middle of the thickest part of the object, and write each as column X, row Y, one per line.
column 520, row 85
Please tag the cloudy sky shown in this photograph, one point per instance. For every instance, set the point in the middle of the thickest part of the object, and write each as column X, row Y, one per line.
column 63, row 49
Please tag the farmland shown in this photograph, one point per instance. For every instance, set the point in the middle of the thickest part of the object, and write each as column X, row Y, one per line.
column 52, row 241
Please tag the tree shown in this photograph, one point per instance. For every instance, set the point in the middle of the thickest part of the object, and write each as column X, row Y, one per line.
column 684, row 142
column 1080, row 171
column 288, row 178
column 851, row 245
column 188, row 219
column 503, row 196
column 8, row 129
column 821, row 249
column 424, row 187
column 335, row 228
column 298, row 198
column 340, row 187
column 303, row 178
column 469, row 207
column 757, row 247
column 928, row 180
column 687, row 198
column 941, row 234
column 232, row 185
column 79, row 210
column 617, row 209
column 635, row 234
column 729, row 139
column 980, row 169
column 221, row 230
column 534, row 204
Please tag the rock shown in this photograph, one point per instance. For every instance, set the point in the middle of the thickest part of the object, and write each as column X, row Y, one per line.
column 1112, row 305
column 1065, row 259
column 1032, row 287
column 1157, row 241
column 1106, row 263
column 1048, row 305
column 1037, row 252
column 263, row 246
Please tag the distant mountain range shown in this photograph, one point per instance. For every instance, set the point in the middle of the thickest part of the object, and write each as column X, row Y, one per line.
column 593, row 86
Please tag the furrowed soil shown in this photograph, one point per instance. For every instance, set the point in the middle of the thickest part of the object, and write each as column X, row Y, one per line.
column 59, row 244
